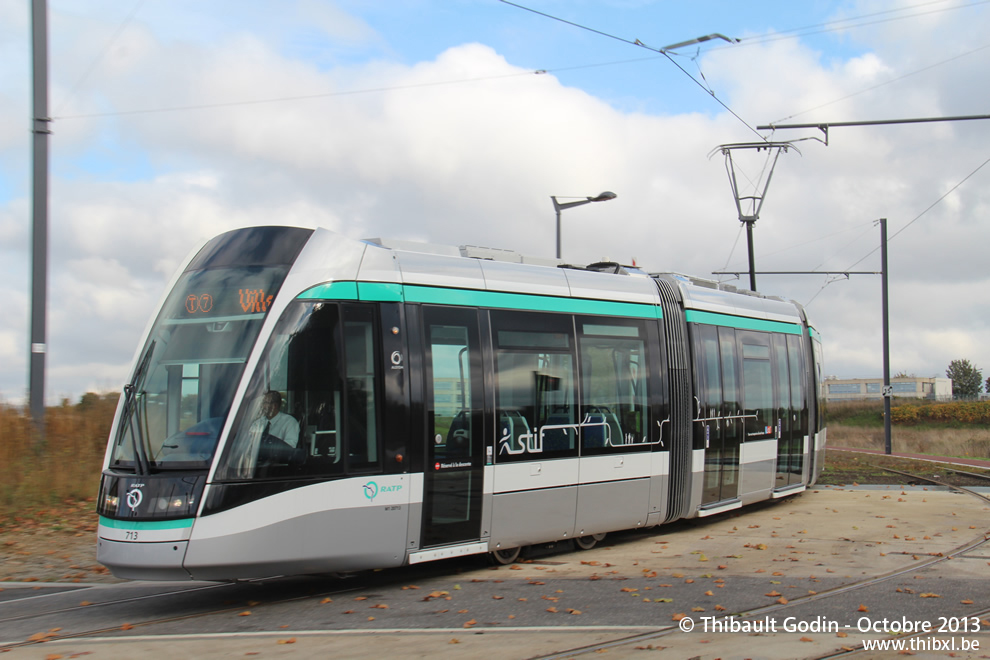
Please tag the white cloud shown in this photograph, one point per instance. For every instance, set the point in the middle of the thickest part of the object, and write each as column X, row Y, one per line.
column 476, row 162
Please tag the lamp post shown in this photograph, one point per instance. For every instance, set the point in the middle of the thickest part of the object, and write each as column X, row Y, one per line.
column 558, row 207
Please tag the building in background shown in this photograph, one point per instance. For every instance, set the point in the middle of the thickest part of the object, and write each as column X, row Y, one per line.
column 861, row 389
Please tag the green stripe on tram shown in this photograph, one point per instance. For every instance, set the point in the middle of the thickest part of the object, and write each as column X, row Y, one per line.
column 741, row 322
column 145, row 525
column 385, row 292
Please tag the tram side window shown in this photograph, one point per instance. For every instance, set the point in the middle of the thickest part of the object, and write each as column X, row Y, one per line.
column 757, row 387
column 361, row 394
column 799, row 399
column 312, row 405
column 535, row 386
column 709, row 378
column 819, row 382
column 614, row 400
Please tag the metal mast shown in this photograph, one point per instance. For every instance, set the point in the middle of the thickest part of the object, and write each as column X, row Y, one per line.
column 752, row 203
column 39, row 232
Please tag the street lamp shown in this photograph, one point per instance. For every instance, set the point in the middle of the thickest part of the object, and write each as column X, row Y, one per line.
column 558, row 207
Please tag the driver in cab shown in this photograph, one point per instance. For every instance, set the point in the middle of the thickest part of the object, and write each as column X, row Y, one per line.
column 271, row 436
column 274, row 423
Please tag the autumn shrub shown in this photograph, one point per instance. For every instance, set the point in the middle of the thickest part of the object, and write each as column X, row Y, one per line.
column 955, row 412
column 62, row 465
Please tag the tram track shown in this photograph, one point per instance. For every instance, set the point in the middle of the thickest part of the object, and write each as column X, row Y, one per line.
column 119, row 601
column 764, row 611
column 93, row 632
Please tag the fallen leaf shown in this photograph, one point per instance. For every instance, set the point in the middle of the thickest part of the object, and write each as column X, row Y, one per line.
column 327, row 600
column 127, row 626
column 966, row 602
column 497, row 597
column 573, row 611
column 678, row 616
column 863, row 608
column 807, row 639
column 773, row 593
column 552, row 610
column 379, row 606
column 472, row 622
column 291, row 640
column 719, row 608
column 929, row 595
column 454, row 641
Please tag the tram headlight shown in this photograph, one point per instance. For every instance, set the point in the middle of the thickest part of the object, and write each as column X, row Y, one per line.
column 110, row 503
column 175, row 503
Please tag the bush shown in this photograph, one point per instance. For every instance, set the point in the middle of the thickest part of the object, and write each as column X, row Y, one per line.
column 956, row 412
column 66, row 465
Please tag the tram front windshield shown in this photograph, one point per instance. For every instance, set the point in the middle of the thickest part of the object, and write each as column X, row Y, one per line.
column 180, row 393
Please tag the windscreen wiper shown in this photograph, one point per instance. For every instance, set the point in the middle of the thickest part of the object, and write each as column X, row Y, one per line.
column 133, row 415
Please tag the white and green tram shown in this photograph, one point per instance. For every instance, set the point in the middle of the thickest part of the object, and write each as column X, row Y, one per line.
column 307, row 403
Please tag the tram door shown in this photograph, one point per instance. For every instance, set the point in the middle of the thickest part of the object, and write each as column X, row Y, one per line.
column 719, row 406
column 790, row 405
column 454, row 468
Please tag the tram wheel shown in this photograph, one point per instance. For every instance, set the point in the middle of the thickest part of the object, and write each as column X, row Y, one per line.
column 588, row 542
column 504, row 556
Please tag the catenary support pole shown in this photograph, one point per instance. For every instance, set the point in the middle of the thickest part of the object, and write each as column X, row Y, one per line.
column 752, row 259
column 39, row 233
column 887, row 390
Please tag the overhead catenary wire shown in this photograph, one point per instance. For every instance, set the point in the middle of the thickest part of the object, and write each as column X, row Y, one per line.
column 901, row 230
column 929, row 208
column 847, row 24
column 882, row 84
column 302, row 97
column 99, row 58
column 640, row 44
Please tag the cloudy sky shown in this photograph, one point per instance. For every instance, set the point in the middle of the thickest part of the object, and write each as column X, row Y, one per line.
column 454, row 121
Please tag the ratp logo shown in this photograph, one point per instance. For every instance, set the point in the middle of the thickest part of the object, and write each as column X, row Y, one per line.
column 134, row 497
column 371, row 490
